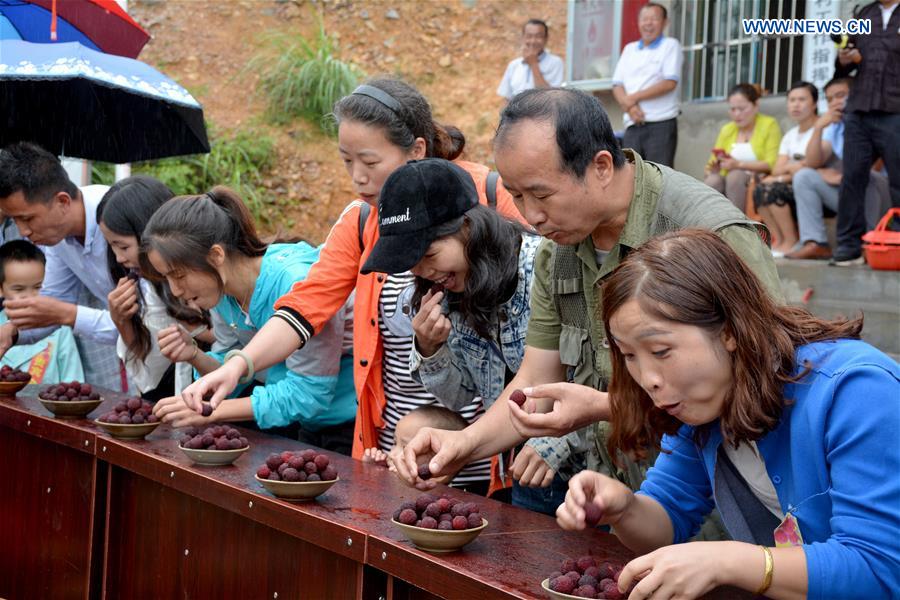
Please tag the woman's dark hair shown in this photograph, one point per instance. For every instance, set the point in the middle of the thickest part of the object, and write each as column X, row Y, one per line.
column 184, row 230
column 582, row 126
column 695, row 278
column 813, row 90
column 750, row 91
column 125, row 210
column 491, row 244
column 413, row 120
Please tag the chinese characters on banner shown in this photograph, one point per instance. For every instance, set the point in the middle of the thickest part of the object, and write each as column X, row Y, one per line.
column 818, row 50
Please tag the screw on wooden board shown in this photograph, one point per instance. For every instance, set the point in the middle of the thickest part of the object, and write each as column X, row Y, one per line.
column 384, row 556
column 349, row 542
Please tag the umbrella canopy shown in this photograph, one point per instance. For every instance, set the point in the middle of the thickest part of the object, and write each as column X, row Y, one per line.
column 80, row 103
column 97, row 24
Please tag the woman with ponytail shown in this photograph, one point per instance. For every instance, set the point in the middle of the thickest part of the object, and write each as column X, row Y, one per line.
column 382, row 125
column 137, row 306
column 207, row 250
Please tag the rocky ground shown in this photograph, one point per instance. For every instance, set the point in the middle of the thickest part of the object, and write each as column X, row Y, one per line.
column 455, row 51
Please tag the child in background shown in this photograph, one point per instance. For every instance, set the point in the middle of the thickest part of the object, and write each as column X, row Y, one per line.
column 54, row 358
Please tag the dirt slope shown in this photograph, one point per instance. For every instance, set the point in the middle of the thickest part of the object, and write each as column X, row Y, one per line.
column 454, row 51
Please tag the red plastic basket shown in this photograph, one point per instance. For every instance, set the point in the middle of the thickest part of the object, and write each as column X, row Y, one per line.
column 882, row 246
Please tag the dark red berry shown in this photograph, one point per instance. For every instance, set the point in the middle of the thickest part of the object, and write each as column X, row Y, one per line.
column 428, row 523
column 474, row 520
column 460, row 522
column 206, row 409
column 518, row 396
column 273, row 461
column 424, row 472
column 584, row 563
column 436, row 287
column 445, row 525
column 592, row 514
column 329, row 474
column 408, row 516
column 562, row 584
column 314, row 477
column 321, row 461
column 263, row 472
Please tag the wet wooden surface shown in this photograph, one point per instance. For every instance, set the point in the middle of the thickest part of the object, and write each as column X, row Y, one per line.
column 160, row 505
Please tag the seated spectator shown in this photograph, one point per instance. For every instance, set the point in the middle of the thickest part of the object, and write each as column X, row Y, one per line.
column 785, row 422
column 136, row 305
column 53, row 212
column 52, row 359
column 536, row 68
column 746, row 147
column 817, row 186
column 207, row 249
column 773, row 197
column 645, row 84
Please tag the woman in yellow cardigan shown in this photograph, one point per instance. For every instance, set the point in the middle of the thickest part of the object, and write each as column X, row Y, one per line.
column 746, row 146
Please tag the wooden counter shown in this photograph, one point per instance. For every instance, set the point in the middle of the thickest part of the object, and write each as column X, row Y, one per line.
column 84, row 515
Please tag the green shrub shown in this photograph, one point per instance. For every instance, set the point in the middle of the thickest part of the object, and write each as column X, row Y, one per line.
column 304, row 79
column 238, row 161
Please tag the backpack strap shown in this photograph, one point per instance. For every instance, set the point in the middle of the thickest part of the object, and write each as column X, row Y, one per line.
column 490, row 188
column 364, row 211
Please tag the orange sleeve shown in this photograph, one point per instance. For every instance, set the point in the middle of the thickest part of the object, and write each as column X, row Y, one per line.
column 330, row 281
column 506, row 206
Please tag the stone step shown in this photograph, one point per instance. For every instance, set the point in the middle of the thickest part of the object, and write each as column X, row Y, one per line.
column 846, row 291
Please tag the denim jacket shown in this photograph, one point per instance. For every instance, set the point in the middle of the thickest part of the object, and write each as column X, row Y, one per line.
column 468, row 365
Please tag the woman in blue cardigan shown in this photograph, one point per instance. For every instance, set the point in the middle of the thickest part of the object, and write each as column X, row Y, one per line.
column 208, row 251
column 788, row 424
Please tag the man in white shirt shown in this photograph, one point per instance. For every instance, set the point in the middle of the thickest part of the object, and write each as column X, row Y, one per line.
column 53, row 212
column 645, row 84
column 536, row 68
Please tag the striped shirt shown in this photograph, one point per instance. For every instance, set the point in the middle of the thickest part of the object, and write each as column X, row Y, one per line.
column 402, row 392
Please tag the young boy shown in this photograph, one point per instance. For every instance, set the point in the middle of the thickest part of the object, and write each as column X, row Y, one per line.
column 54, row 358
column 407, row 427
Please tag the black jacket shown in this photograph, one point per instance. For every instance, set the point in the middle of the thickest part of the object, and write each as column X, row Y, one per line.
column 877, row 79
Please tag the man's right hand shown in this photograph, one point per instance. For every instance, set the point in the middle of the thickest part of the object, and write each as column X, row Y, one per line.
column 219, row 383
column 449, row 451
column 8, row 333
column 636, row 114
column 574, row 406
column 849, row 55
column 829, row 117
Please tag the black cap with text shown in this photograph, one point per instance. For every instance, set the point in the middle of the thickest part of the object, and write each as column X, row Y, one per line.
column 417, row 201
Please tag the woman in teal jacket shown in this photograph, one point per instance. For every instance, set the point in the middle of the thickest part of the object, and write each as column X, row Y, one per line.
column 209, row 253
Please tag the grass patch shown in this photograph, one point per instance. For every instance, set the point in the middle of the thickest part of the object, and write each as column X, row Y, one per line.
column 238, row 160
column 303, row 79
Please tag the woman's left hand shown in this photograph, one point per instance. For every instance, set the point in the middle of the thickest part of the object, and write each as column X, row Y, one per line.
column 432, row 327
column 729, row 164
column 678, row 571
column 175, row 412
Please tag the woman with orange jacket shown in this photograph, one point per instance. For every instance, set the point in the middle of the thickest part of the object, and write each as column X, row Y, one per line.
column 382, row 125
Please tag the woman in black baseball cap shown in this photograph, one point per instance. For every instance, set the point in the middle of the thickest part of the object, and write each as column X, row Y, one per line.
column 473, row 271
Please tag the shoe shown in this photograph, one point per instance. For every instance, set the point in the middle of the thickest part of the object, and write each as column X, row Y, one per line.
column 810, row 251
column 844, row 257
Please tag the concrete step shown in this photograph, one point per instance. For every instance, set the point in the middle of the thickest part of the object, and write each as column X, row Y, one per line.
column 846, row 291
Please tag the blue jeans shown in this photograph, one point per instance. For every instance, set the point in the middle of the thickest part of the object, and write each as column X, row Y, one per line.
column 543, row 500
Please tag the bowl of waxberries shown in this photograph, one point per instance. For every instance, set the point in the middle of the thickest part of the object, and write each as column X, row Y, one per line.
column 439, row 524
column 215, row 446
column 12, row 380
column 299, row 475
column 130, row 419
column 584, row 577
column 71, row 400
